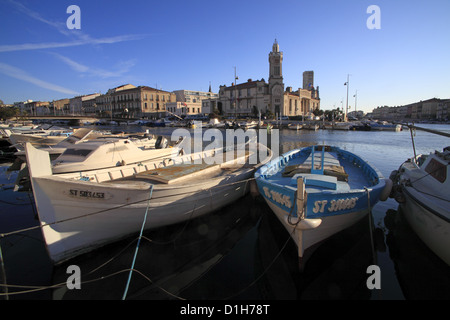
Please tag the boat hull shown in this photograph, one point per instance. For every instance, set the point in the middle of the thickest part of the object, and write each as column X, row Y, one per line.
column 80, row 217
column 422, row 190
column 431, row 228
column 81, row 212
column 314, row 206
column 310, row 232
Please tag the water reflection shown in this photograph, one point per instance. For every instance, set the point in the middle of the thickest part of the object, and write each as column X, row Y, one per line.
column 421, row 274
column 336, row 270
column 175, row 262
column 208, row 258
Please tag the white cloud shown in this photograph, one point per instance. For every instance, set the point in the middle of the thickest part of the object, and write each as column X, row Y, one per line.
column 24, row 76
column 51, row 45
column 122, row 68
column 81, row 38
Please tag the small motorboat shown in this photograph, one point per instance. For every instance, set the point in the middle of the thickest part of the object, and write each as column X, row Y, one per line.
column 311, row 126
column 422, row 188
column 111, row 152
column 56, row 150
column 39, row 137
column 294, row 126
column 317, row 192
column 81, row 212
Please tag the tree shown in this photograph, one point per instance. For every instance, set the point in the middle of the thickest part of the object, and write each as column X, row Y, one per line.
column 335, row 114
column 317, row 112
column 9, row 112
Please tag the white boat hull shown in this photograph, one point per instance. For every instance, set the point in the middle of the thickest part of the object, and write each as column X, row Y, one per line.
column 422, row 186
column 79, row 215
column 310, row 232
column 91, row 223
column 433, row 230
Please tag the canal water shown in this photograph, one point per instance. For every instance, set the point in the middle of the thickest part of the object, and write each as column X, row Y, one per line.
column 240, row 252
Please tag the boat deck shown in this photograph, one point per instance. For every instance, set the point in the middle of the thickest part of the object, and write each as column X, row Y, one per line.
column 339, row 173
column 190, row 172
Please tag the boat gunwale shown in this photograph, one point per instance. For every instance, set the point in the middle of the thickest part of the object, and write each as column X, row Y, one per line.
column 286, row 157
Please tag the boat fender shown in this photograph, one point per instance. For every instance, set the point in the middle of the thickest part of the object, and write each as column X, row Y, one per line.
column 394, row 176
column 386, row 190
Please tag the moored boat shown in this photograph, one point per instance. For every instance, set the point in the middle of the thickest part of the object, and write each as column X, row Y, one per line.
column 311, row 126
column 317, row 192
column 80, row 213
column 39, row 137
column 422, row 188
column 294, row 126
column 384, row 126
column 110, row 152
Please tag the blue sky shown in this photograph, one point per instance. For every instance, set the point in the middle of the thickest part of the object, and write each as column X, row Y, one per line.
column 177, row 45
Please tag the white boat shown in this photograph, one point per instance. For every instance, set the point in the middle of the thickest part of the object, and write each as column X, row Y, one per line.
column 248, row 124
column 317, row 192
column 311, row 126
column 38, row 137
column 341, row 126
column 78, row 136
column 294, row 126
column 422, row 188
column 78, row 214
column 110, row 152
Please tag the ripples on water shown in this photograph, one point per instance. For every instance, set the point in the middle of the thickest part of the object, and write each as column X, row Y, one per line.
column 242, row 251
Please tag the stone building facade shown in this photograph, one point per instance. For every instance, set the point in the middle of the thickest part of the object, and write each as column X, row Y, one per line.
column 129, row 101
column 270, row 98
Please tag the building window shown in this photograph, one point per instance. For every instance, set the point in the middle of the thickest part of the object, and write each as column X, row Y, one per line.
column 277, row 70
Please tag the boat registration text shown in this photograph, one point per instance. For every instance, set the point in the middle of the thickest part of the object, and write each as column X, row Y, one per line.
column 334, row 205
column 86, row 194
column 319, row 206
column 278, row 197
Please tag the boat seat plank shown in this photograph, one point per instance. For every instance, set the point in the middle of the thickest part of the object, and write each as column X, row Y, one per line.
column 316, row 180
column 329, row 170
column 177, row 172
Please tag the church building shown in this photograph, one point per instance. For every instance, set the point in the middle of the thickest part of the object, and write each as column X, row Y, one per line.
column 268, row 98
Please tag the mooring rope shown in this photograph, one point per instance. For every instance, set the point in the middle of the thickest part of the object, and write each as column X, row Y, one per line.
column 138, row 243
column 3, row 275
column 370, row 224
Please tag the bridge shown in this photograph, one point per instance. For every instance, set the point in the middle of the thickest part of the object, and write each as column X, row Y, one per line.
column 79, row 118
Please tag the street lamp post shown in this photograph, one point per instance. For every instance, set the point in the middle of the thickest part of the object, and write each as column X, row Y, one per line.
column 235, row 94
column 346, row 106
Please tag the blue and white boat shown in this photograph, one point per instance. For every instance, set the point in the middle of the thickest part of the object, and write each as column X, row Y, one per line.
column 319, row 191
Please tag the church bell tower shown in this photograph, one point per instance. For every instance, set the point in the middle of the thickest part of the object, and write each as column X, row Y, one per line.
column 276, row 85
